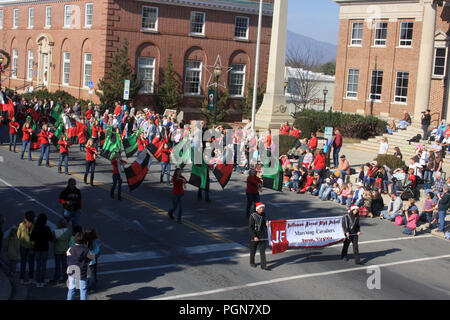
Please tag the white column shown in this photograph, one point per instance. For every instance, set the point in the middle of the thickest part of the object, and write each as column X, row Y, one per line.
column 273, row 110
column 426, row 56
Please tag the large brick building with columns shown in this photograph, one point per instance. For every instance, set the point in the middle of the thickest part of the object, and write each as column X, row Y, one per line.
column 393, row 56
column 63, row 45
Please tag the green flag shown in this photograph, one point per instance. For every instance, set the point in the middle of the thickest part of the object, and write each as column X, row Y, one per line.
column 130, row 144
column 273, row 177
column 199, row 173
column 112, row 144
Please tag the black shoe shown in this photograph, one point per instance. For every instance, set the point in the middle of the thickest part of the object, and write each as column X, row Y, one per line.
column 171, row 215
column 85, row 181
column 252, row 265
column 265, row 268
column 92, row 184
column 344, row 258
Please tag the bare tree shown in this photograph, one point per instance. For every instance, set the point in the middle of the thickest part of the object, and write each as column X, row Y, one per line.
column 304, row 79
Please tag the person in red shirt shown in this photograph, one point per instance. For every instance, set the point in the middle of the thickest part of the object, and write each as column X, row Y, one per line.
column 95, row 134
column 88, row 112
column 165, row 162
column 26, row 139
column 118, row 109
column 44, row 140
column 412, row 178
column 254, row 185
column 319, row 163
column 91, row 153
column 13, row 133
column 179, row 183
column 63, row 153
column 285, row 128
column 296, row 132
column 142, row 142
column 312, row 143
column 117, row 163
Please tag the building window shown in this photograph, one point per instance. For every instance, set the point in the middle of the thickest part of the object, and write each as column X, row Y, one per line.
column 376, row 85
column 30, row 65
column 381, row 33
column 67, row 15
column 193, row 77
column 15, row 18
column 66, row 68
column 146, row 72
column 406, row 34
column 1, row 19
column 48, row 17
column 88, row 15
column 150, row 18
column 30, row 17
column 237, row 80
column 357, row 31
column 87, row 74
column 241, row 27
column 440, row 60
column 15, row 60
column 352, row 83
column 401, row 87
column 197, row 23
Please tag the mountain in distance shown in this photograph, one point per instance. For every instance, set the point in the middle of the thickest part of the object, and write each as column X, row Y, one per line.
column 326, row 51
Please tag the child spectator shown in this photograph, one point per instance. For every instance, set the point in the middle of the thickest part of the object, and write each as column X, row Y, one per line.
column 411, row 219
column 361, row 174
column 346, row 194
column 296, row 175
column 412, row 178
column 62, row 236
column 13, row 250
column 287, row 177
column 366, row 208
column 315, row 185
column 336, row 192
column 93, row 244
column 309, row 181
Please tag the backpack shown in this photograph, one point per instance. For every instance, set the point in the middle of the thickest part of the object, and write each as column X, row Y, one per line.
column 416, row 138
column 398, row 220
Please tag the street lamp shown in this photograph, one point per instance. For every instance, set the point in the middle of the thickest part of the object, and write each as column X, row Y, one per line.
column 325, row 92
column 217, row 73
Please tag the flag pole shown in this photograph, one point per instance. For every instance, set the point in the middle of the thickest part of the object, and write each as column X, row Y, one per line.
column 255, row 82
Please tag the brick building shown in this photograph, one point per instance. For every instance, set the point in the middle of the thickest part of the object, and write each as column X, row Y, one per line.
column 63, row 45
column 392, row 56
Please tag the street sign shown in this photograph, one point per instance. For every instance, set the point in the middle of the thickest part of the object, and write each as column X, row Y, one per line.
column 328, row 133
column 126, row 90
column 211, row 99
column 91, row 84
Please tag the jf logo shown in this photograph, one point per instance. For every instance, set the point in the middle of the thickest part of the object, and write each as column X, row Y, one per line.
column 279, row 236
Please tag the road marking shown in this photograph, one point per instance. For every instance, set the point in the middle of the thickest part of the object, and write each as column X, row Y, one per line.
column 1, row 159
column 298, row 277
column 224, row 247
column 52, row 225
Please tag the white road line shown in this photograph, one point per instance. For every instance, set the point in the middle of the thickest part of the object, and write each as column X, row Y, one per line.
column 2, row 159
column 52, row 225
column 298, row 277
column 231, row 257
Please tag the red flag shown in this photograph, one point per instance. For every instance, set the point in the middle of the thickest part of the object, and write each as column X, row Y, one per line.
column 156, row 146
column 35, row 115
column 223, row 173
column 278, row 236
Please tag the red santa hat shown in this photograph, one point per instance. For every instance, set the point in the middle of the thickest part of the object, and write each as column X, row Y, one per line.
column 260, row 205
column 353, row 208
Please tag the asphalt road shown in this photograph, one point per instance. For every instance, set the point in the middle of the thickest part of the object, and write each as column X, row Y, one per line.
column 148, row 256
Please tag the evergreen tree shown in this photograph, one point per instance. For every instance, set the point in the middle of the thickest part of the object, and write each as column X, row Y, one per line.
column 112, row 85
column 169, row 93
column 222, row 109
column 247, row 103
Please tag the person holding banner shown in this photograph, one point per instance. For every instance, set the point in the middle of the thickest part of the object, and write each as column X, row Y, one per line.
column 117, row 176
column 258, row 231
column 351, row 228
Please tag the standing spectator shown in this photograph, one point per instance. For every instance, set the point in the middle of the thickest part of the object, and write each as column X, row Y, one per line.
column 179, row 183
column 443, row 206
column 77, row 109
column 313, row 143
column 93, row 244
column 13, row 250
column 384, row 146
column 337, row 144
column 61, row 238
column 70, row 198
column 296, row 132
column 78, row 258
column 252, row 192
column 429, row 170
column 13, row 133
column 425, row 121
column 26, row 247
column 285, row 128
column 41, row 235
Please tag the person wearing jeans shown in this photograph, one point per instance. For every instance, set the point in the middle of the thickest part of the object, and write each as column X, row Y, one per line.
column 337, row 144
column 64, row 145
column 70, row 198
column 179, row 182
column 13, row 132
column 443, row 206
column 45, row 145
column 41, row 235
column 165, row 162
column 26, row 140
column 26, row 246
column 394, row 208
column 91, row 153
column 117, row 178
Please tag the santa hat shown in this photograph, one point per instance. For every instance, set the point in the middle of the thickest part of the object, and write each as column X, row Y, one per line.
column 353, row 208
column 259, row 205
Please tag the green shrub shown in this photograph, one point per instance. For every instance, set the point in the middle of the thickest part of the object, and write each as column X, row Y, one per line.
column 286, row 143
column 350, row 125
column 390, row 160
column 306, row 125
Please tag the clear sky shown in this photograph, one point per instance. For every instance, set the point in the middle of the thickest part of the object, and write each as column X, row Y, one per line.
column 318, row 19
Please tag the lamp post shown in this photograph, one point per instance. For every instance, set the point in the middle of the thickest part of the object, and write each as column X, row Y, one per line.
column 217, row 73
column 325, row 92
column 1, row 70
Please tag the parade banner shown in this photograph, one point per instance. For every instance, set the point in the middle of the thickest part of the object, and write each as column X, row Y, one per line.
column 305, row 233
